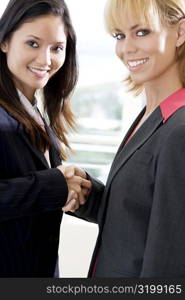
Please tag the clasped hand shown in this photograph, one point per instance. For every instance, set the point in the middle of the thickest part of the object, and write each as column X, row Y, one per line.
column 78, row 186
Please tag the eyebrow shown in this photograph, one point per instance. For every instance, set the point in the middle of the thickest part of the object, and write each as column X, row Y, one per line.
column 131, row 28
column 39, row 39
column 135, row 26
column 33, row 36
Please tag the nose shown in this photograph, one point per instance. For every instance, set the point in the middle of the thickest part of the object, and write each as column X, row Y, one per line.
column 125, row 46
column 44, row 57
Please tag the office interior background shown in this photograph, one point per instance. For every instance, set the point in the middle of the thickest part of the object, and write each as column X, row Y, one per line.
column 104, row 111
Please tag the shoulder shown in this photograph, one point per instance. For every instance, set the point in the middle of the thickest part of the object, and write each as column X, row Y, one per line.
column 173, row 145
column 178, row 117
column 7, row 121
column 174, row 127
column 177, row 132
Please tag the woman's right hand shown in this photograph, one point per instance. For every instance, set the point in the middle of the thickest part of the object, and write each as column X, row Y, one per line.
column 78, row 185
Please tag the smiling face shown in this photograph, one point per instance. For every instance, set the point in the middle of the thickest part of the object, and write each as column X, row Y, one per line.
column 149, row 54
column 35, row 52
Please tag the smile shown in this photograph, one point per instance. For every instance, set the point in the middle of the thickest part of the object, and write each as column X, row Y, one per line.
column 135, row 63
column 38, row 71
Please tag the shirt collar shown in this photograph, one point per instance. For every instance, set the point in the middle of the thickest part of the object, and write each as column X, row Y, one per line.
column 31, row 109
column 25, row 100
column 172, row 103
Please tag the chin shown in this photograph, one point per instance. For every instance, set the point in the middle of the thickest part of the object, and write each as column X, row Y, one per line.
column 40, row 85
column 139, row 79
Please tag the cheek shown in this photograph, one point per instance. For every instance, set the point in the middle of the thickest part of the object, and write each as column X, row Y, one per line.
column 11, row 63
column 16, row 58
column 59, row 63
column 118, row 50
column 160, row 45
column 149, row 47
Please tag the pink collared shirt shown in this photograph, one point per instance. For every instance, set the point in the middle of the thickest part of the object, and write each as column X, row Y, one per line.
column 172, row 103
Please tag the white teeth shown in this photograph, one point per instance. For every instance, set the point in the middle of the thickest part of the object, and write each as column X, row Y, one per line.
column 136, row 63
column 38, row 71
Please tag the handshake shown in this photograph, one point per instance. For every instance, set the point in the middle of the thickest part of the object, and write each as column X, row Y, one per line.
column 79, row 187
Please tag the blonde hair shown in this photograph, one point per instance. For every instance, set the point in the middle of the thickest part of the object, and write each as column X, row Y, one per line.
column 155, row 13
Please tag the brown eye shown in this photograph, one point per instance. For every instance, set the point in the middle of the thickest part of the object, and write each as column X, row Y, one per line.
column 58, row 49
column 32, row 44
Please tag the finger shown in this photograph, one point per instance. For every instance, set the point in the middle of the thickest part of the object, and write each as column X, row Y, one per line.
column 72, row 170
column 69, row 171
column 86, row 183
column 74, row 206
column 80, row 172
column 81, row 199
column 85, row 192
column 75, row 187
column 70, row 206
column 77, row 180
column 72, row 195
column 84, row 195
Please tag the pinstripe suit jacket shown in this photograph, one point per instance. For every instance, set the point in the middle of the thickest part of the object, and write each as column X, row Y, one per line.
column 31, row 197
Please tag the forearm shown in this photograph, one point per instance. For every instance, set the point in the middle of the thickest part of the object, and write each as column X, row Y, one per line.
column 38, row 192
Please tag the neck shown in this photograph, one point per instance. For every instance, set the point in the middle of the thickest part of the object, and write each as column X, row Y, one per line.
column 160, row 88
column 29, row 94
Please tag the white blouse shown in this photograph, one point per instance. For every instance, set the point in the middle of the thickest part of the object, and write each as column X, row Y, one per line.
column 35, row 114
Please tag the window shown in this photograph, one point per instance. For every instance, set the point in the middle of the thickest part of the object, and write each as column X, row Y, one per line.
column 100, row 101
column 104, row 111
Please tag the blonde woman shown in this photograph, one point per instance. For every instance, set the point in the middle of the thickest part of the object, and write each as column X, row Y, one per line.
column 141, row 210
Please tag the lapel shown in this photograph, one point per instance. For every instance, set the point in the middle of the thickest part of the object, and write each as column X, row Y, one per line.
column 125, row 152
column 54, row 151
column 129, row 132
column 35, row 151
column 138, row 139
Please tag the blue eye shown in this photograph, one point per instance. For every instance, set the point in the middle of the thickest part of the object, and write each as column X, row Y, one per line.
column 32, row 44
column 142, row 32
column 118, row 36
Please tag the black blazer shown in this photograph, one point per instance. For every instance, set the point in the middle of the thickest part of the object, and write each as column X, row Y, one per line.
column 31, row 197
column 141, row 210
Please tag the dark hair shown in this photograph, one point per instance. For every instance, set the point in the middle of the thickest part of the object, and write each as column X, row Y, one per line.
column 59, row 87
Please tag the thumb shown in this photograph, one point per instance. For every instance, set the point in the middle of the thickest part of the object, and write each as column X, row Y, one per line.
column 69, row 172
column 69, row 206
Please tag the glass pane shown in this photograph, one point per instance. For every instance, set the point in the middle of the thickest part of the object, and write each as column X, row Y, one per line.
column 97, row 101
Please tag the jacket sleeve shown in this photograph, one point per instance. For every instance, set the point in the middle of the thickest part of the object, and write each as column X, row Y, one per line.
column 165, row 244
column 89, row 211
column 38, row 192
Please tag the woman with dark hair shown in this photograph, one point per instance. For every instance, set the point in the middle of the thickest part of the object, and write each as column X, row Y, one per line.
column 37, row 52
